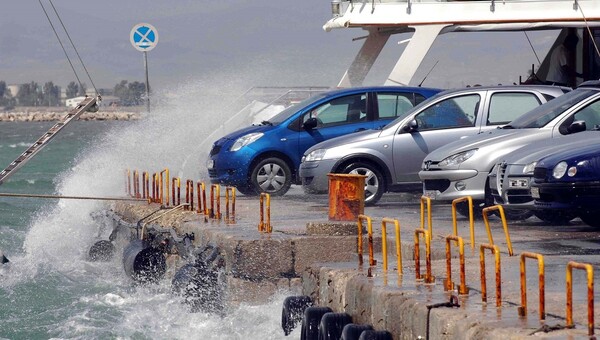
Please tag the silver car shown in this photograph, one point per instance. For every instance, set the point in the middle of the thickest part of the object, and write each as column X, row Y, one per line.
column 391, row 158
column 461, row 168
column 511, row 177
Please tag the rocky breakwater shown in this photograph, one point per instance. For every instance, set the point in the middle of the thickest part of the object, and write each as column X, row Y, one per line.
column 44, row 115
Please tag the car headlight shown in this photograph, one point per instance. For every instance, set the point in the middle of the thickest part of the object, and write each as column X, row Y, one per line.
column 315, row 155
column 528, row 169
column 559, row 170
column 457, row 159
column 245, row 140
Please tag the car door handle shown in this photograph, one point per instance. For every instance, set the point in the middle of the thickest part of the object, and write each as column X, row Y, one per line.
column 359, row 129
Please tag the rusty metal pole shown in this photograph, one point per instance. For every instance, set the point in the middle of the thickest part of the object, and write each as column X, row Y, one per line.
column 494, row 250
column 590, row 293
column 360, row 238
column 469, row 201
column 429, row 218
column 523, row 308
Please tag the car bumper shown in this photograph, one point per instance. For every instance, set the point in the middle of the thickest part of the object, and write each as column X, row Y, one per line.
column 231, row 170
column 512, row 193
column 578, row 195
column 314, row 175
column 448, row 185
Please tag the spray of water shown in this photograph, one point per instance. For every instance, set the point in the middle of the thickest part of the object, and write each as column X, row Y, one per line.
column 173, row 135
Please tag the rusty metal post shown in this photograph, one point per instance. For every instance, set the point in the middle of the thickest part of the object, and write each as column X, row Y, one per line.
column 496, row 251
column 590, row 293
column 265, row 225
column 523, row 308
column 128, row 182
column 469, row 201
column 136, row 184
column 429, row 220
column 215, row 197
column 449, row 285
column 202, row 206
column 384, row 222
column 485, row 212
column 360, row 238
column 163, row 191
column 228, row 191
column 145, row 184
column 189, row 194
column 155, row 183
column 176, row 194
column 428, row 277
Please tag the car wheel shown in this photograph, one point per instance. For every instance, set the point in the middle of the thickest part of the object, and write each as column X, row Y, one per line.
column 374, row 183
column 272, row 176
column 554, row 216
column 591, row 218
column 517, row 214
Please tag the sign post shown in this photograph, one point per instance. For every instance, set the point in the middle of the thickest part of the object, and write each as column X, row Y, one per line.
column 144, row 38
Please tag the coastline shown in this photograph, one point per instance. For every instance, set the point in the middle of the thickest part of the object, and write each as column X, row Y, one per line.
column 54, row 114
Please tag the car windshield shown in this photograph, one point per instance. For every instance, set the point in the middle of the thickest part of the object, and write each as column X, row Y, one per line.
column 291, row 110
column 543, row 114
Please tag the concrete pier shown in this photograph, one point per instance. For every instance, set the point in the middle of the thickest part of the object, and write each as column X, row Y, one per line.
column 308, row 255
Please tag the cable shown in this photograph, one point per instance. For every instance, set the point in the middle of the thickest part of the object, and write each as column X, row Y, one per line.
column 588, row 28
column 74, row 48
column 61, row 44
column 533, row 49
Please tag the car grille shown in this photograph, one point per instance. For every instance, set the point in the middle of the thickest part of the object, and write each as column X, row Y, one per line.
column 436, row 184
column 215, row 150
column 500, row 172
column 540, row 174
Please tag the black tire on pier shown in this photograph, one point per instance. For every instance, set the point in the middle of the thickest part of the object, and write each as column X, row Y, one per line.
column 292, row 312
column 332, row 324
column 353, row 331
column 310, row 322
column 376, row 335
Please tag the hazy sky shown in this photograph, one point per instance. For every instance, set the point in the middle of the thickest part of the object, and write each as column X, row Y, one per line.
column 265, row 42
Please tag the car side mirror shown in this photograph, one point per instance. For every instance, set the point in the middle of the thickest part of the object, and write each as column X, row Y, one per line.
column 411, row 126
column 310, row 123
column 577, row 126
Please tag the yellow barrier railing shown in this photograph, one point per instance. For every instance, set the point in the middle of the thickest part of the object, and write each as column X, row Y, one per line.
column 590, row 293
column 523, row 308
column 384, row 222
column 428, row 277
column 362, row 218
column 496, row 252
column 215, row 195
column 136, row 184
column 429, row 219
column 229, row 191
column 485, row 212
column 176, row 191
column 449, row 285
column 469, row 201
column 265, row 224
column 162, row 191
column 202, row 206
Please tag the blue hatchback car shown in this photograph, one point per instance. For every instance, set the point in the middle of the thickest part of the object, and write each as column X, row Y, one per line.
column 266, row 157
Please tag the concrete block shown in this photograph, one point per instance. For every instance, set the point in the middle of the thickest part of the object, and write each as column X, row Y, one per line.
column 311, row 250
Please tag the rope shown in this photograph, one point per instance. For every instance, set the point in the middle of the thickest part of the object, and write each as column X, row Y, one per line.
column 4, row 194
column 74, row 48
column 588, row 28
column 61, row 44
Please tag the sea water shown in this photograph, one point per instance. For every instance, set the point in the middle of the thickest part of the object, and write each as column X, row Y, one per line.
column 49, row 289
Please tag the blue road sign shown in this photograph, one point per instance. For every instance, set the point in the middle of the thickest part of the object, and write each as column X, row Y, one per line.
column 144, row 37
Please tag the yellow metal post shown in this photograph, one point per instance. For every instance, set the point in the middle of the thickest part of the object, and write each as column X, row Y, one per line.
column 590, row 293
column 449, row 285
column 429, row 219
column 469, row 201
column 485, row 212
column 496, row 252
column 384, row 222
column 428, row 277
column 523, row 308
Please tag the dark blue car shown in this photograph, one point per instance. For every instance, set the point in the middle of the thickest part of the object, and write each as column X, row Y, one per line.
column 569, row 181
column 266, row 157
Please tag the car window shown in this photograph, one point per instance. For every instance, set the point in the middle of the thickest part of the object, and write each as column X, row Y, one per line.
column 344, row 110
column 392, row 105
column 506, row 106
column 450, row 113
column 590, row 115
